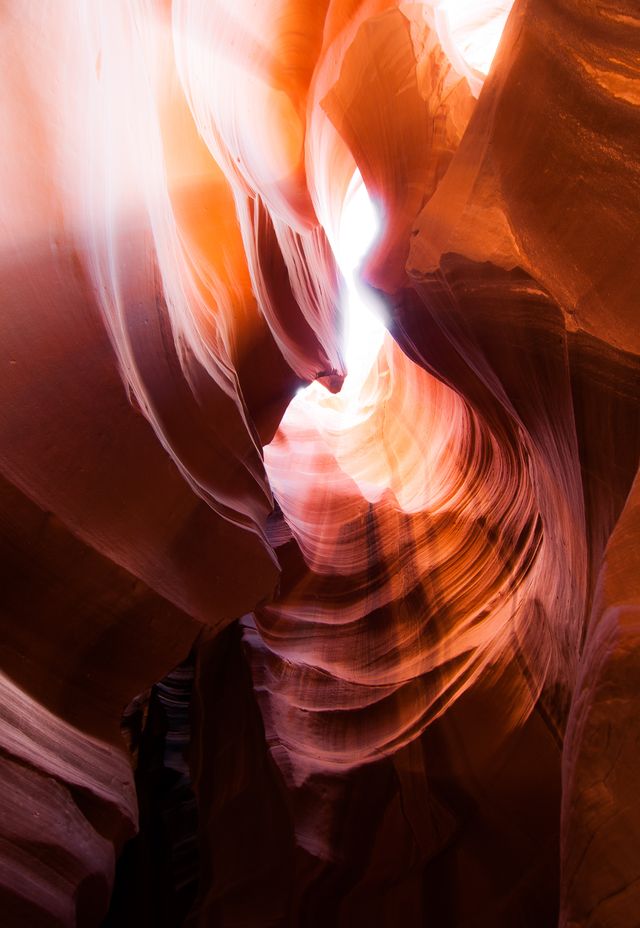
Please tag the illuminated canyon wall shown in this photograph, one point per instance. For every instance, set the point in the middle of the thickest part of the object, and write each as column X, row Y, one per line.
column 319, row 441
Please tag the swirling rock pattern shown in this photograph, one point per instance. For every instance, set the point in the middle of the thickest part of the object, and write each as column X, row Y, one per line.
column 410, row 593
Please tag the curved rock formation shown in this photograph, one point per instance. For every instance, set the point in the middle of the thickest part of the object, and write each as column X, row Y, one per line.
column 408, row 584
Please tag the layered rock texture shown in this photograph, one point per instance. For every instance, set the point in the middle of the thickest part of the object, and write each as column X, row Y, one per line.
column 295, row 632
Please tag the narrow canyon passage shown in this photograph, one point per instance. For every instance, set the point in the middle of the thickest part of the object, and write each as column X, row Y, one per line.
column 319, row 444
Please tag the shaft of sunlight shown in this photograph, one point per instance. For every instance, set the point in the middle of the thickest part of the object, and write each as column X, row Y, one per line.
column 363, row 326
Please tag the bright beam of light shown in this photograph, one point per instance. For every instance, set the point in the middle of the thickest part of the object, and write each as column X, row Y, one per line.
column 469, row 32
column 363, row 311
column 364, row 329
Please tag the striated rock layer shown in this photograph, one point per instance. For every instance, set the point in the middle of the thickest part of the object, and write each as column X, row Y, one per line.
column 409, row 591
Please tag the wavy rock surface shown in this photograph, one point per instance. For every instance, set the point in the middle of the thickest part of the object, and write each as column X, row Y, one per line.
column 413, row 591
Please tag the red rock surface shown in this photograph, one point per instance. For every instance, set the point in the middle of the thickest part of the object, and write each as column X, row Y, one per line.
column 408, row 600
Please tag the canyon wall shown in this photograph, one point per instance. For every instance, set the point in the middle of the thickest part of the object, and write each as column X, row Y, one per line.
column 407, row 596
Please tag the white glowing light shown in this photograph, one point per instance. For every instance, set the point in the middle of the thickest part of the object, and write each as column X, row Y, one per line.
column 363, row 313
column 364, row 329
column 469, row 32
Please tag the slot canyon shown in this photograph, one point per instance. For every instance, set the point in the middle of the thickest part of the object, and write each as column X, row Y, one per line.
column 319, row 448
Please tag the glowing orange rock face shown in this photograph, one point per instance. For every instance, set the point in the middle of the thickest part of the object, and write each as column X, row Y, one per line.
column 414, row 589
